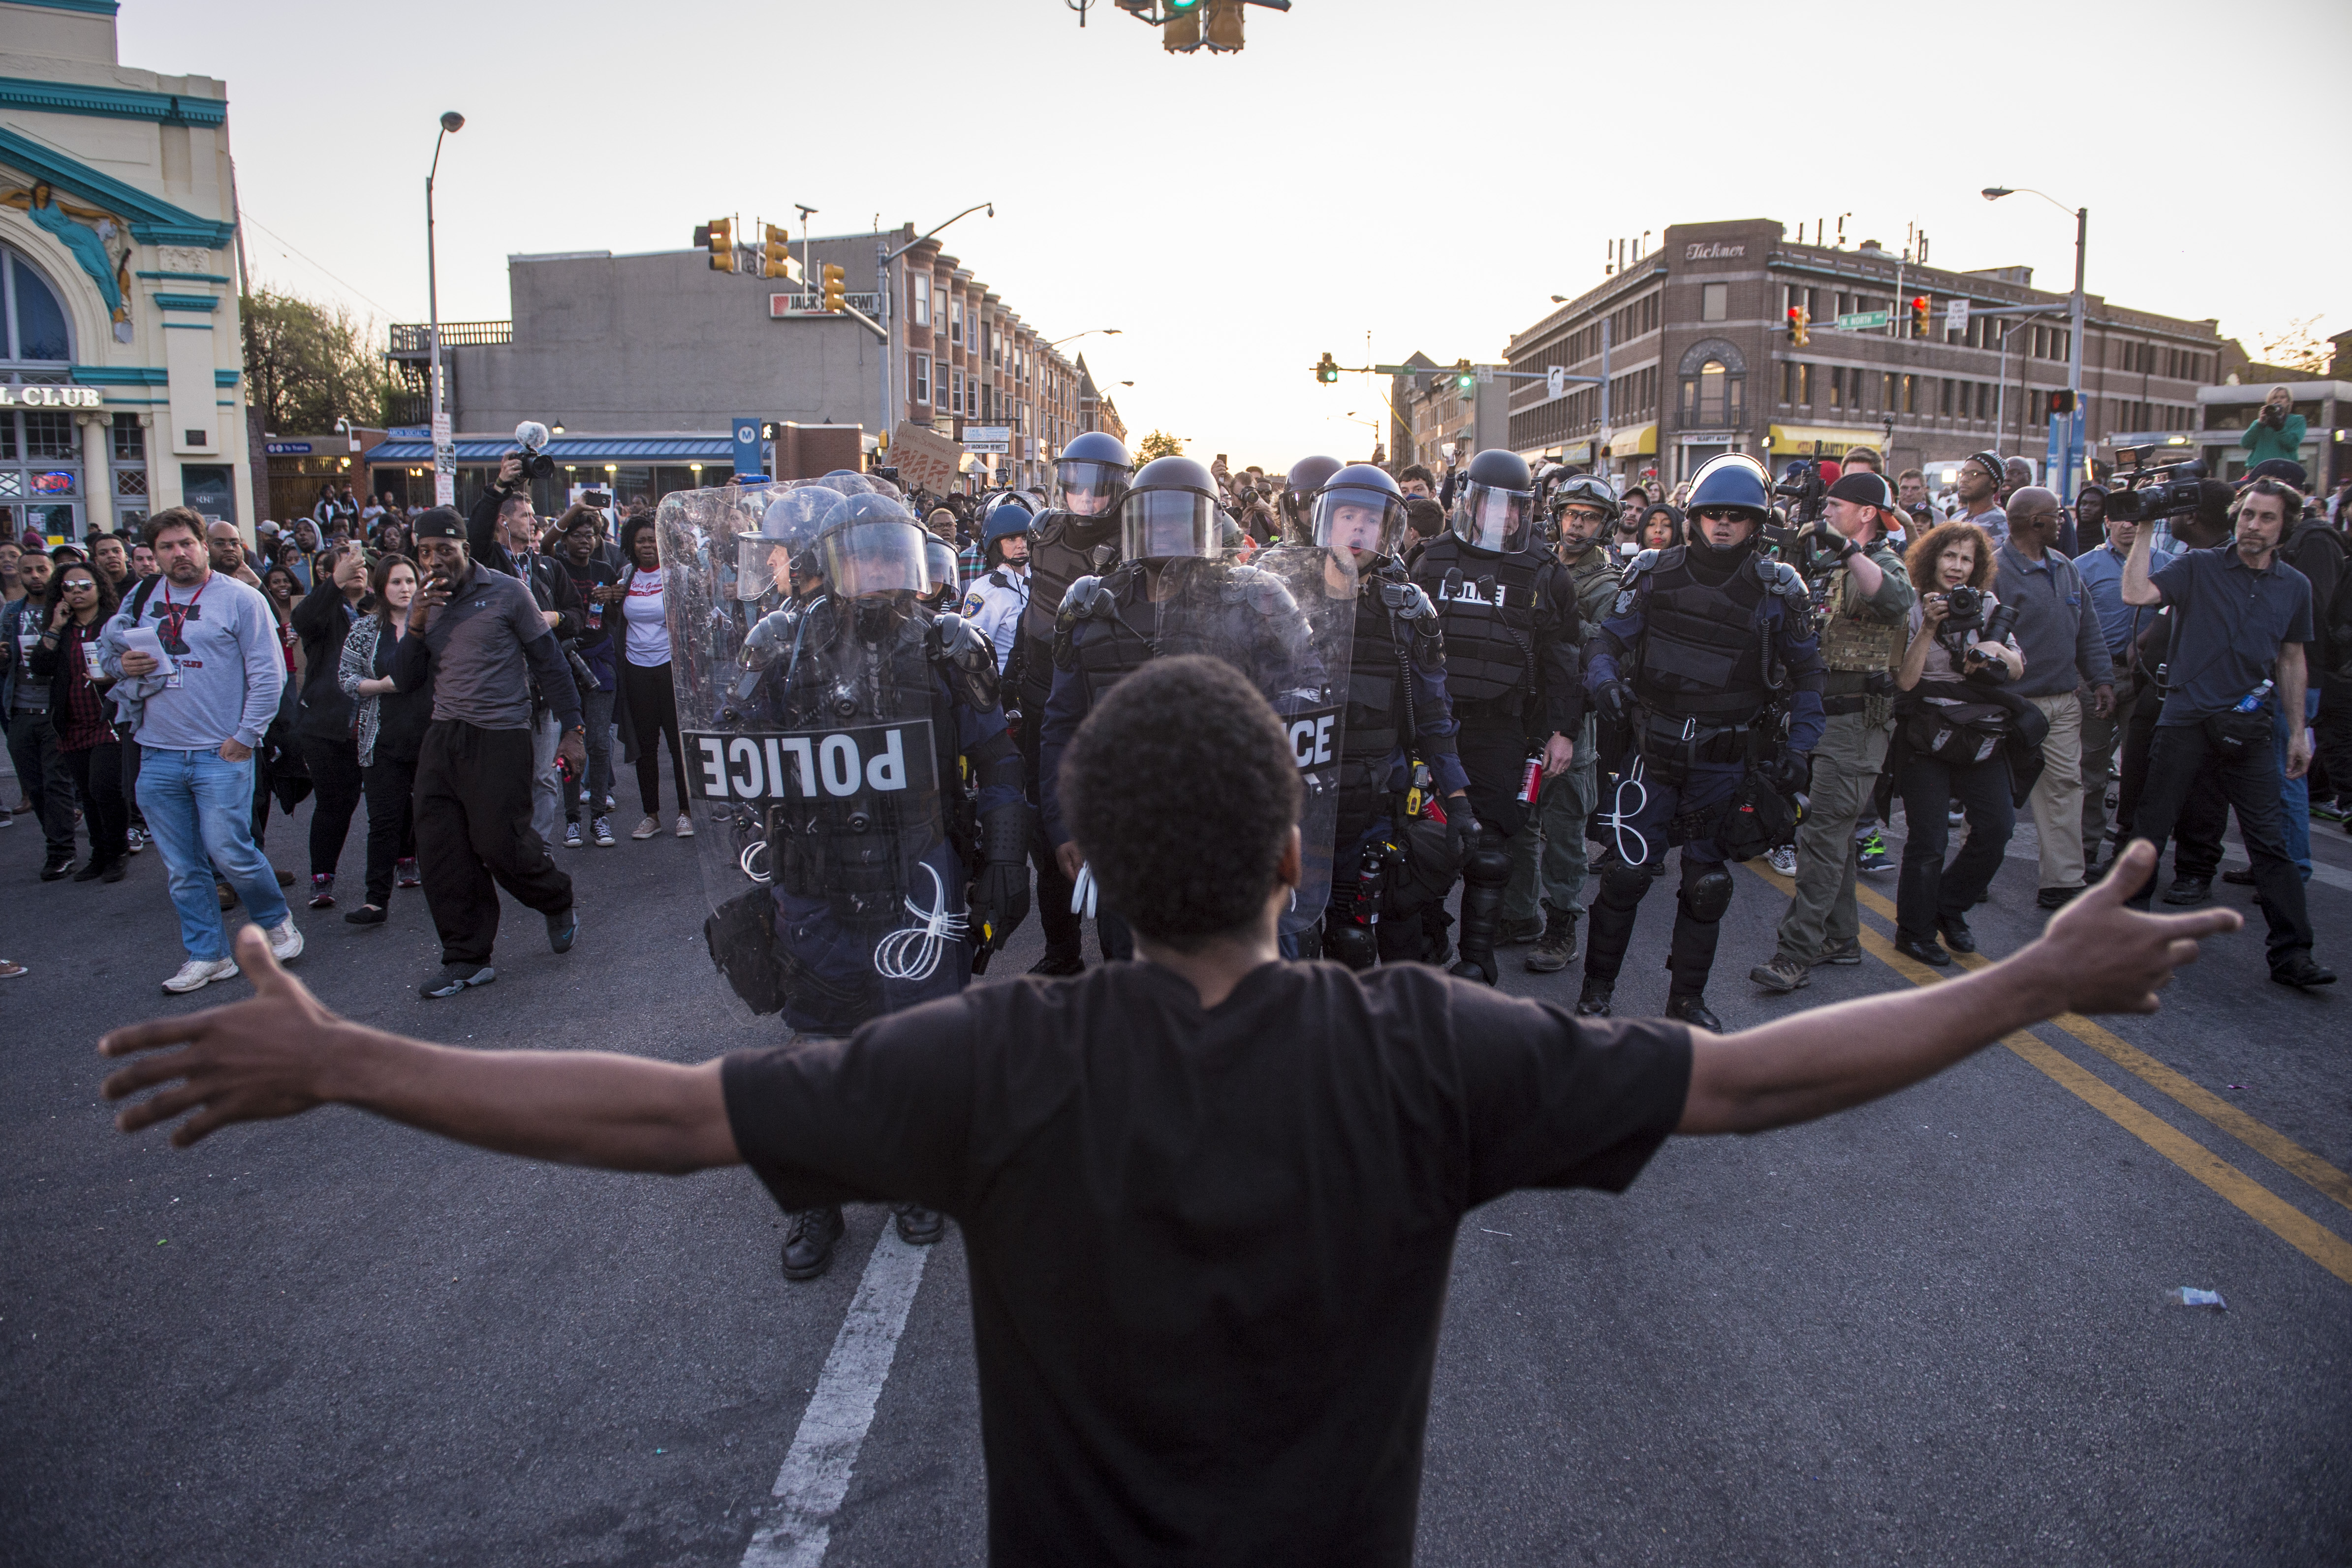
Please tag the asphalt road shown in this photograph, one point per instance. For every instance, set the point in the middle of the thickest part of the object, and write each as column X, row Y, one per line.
column 1933, row 1331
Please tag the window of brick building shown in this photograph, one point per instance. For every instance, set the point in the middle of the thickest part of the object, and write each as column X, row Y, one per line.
column 1714, row 301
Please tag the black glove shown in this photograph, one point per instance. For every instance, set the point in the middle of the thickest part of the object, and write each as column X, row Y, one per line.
column 1831, row 545
column 1790, row 773
column 1616, row 700
column 1461, row 830
column 1000, row 894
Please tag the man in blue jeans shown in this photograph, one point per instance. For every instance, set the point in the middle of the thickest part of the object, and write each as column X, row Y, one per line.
column 197, row 723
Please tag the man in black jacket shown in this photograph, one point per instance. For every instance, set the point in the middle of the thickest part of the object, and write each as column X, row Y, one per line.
column 484, row 641
column 502, row 532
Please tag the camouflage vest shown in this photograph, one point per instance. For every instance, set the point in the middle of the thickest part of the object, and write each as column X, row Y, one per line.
column 1857, row 640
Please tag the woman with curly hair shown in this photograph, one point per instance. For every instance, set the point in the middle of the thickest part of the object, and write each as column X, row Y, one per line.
column 1951, row 745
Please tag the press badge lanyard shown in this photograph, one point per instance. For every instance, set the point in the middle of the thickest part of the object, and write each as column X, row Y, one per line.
column 173, row 622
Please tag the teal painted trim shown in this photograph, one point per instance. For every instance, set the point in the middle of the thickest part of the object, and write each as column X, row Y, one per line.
column 187, row 301
column 111, row 103
column 138, row 402
column 120, row 376
column 187, row 326
column 153, row 221
column 225, row 378
column 91, row 7
column 182, row 277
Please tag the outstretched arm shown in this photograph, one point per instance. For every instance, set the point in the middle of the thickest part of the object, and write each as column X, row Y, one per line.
column 2095, row 957
column 282, row 1053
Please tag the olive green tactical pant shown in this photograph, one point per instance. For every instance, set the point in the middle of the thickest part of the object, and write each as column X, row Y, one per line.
column 1550, row 865
column 1822, row 918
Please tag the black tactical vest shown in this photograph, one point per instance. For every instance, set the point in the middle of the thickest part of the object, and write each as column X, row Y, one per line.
column 1701, row 656
column 1061, row 550
column 1487, row 617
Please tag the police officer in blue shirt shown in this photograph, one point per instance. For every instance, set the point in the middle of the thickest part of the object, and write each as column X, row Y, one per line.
column 1706, row 639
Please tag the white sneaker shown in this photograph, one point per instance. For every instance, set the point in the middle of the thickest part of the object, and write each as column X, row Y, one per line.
column 1784, row 860
column 198, row 973
column 684, row 826
column 285, row 941
column 647, row 828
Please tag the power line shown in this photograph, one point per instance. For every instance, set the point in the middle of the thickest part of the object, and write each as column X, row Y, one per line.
column 247, row 214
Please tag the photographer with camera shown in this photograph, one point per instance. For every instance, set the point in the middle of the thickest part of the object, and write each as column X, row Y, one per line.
column 1953, row 740
column 2242, row 619
column 1868, row 600
column 2058, row 629
column 2275, row 435
column 484, row 641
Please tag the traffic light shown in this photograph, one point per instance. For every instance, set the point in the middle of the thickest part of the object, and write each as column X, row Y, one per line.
column 2062, row 402
column 836, row 285
column 1800, row 322
column 1181, row 33
column 776, row 257
column 1223, row 26
column 722, row 245
column 1463, row 376
column 1920, row 310
column 1327, row 370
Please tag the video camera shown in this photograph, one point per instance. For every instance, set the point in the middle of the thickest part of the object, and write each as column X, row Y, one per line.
column 2170, row 490
column 531, row 437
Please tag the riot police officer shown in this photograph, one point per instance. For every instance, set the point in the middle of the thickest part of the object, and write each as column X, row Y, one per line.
column 1584, row 512
column 1397, row 747
column 1000, row 593
column 864, row 703
column 1306, row 477
column 1173, row 594
column 1066, row 542
column 1707, row 643
column 1510, row 618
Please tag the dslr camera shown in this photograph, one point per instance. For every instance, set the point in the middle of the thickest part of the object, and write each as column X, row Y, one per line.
column 533, row 437
column 2146, row 494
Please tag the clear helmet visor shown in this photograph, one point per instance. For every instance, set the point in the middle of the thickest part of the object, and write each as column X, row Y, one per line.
column 761, row 565
column 1490, row 517
column 1156, row 525
column 1090, row 490
column 862, row 559
column 939, row 563
column 1357, row 517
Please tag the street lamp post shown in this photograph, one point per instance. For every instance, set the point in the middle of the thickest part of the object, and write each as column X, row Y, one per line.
column 885, row 258
column 444, row 450
column 1090, row 332
column 2074, row 321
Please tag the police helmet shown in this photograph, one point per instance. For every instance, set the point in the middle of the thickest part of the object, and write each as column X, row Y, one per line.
column 1494, row 513
column 1171, row 510
column 874, row 546
column 847, row 481
column 939, row 569
column 1006, row 521
column 1093, row 471
column 1360, row 508
column 1734, row 480
column 1298, row 486
column 791, row 523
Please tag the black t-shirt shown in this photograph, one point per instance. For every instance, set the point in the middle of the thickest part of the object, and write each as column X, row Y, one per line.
column 1209, row 1247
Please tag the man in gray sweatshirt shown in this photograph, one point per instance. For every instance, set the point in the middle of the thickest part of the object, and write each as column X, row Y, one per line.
column 198, row 722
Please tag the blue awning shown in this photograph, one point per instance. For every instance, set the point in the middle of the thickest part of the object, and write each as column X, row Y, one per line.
column 575, row 450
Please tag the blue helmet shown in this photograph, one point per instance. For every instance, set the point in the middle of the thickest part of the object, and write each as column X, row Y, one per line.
column 1093, row 471
column 1358, row 507
column 1006, row 521
column 1298, row 486
column 1733, row 479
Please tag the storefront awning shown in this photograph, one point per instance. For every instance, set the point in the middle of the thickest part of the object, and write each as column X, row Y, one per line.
column 1633, row 441
column 1797, row 440
column 574, row 449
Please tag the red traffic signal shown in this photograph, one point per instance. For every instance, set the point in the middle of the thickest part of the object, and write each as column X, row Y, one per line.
column 1800, row 322
column 1919, row 314
column 2062, row 402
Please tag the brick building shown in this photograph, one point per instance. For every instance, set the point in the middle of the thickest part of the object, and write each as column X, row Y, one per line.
column 1700, row 360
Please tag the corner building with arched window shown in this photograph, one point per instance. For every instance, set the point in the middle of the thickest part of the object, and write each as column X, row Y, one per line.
column 1701, row 361
column 121, row 351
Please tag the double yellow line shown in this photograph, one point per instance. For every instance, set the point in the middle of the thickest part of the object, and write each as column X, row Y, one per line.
column 2291, row 1224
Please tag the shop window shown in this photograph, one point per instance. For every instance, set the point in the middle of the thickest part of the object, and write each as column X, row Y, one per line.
column 50, row 434
column 130, row 439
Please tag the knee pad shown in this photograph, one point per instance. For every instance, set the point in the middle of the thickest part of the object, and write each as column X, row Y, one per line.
column 1358, row 947
column 1706, row 891
column 1623, row 885
column 1487, row 865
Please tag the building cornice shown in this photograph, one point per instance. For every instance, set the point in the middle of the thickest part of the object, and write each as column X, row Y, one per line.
column 111, row 102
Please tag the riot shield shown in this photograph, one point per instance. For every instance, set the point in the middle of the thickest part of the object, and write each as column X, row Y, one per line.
column 1322, row 584
column 816, row 750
